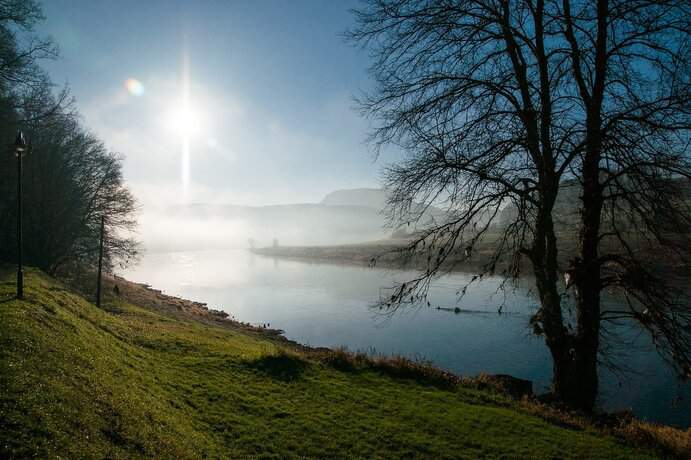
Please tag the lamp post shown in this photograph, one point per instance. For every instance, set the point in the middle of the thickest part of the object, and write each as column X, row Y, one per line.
column 19, row 149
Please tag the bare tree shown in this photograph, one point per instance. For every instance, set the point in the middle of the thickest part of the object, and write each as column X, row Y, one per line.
column 498, row 105
column 70, row 181
column 70, row 178
column 20, row 51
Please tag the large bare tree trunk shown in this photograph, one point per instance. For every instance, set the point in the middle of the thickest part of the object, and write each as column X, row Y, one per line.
column 578, row 368
column 500, row 104
column 575, row 380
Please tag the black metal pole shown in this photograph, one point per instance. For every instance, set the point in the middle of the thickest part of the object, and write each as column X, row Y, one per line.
column 20, row 270
column 100, row 264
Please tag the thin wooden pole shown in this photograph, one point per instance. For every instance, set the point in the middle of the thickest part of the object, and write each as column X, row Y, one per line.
column 20, row 268
column 100, row 264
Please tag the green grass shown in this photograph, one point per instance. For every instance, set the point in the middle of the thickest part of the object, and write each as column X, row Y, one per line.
column 79, row 382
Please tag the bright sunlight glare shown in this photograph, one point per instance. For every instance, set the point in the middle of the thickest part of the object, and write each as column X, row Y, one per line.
column 185, row 120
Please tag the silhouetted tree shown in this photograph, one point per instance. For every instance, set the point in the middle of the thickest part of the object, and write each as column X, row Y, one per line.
column 71, row 181
column 21, row 79
column 499, row 103
column 70, row 178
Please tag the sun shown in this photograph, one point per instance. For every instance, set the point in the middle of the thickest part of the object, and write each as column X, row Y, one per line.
column 185, row 120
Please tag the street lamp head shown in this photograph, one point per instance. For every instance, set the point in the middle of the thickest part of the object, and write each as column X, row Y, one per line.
column 20, row 142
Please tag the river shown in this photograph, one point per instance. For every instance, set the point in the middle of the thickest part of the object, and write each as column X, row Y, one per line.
column 331, row 305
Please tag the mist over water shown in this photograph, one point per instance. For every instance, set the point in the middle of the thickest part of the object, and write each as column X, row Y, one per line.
column 342, row 217
column 331, row 305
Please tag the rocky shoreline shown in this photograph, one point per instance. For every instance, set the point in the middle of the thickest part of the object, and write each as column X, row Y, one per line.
column 144, row 295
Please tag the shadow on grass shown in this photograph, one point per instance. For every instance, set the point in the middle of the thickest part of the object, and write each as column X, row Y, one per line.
column 113, row 308
column 283, row 366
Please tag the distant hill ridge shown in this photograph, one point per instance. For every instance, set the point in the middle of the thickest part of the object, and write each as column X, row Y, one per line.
column 357, row 197
column 342, row 217
column 366, row 197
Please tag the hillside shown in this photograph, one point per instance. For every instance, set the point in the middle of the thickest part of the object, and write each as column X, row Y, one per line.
column 369, row 197
column 131, row 382
column 342, row 217
column 213, row 226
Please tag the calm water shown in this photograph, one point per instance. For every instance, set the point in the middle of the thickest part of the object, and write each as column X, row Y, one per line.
column 330, row 305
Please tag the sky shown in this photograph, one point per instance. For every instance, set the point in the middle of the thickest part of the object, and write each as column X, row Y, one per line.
column 219, row 101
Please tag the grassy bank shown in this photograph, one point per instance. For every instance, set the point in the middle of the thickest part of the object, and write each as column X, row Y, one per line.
column 128, row 382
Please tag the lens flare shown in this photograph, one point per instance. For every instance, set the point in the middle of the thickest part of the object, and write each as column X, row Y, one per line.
column 134, row 87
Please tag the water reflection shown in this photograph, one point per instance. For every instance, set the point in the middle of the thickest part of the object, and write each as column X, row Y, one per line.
column 330, row 305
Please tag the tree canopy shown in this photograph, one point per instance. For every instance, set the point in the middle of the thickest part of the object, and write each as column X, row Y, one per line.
column 503, row 105
column 70, row 178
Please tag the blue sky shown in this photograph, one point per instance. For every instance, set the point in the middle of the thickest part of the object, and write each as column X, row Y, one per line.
column 270, row 83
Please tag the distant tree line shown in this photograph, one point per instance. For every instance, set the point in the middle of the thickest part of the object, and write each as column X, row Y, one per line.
column 70, row 178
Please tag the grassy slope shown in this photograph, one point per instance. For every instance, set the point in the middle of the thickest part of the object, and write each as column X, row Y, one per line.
column 78, row 382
